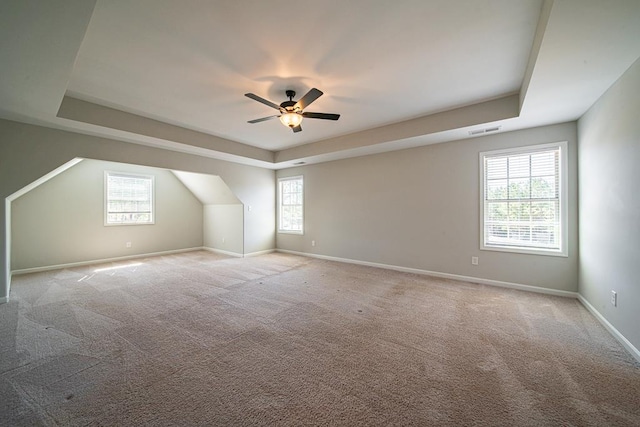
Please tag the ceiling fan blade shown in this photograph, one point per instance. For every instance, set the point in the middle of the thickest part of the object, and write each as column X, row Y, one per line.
column 264, row 119
column 325, row 116
column 262, row 100
column 297, row 129
column 311, row 96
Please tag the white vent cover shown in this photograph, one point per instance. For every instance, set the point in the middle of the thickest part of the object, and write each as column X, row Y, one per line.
column 483, row 131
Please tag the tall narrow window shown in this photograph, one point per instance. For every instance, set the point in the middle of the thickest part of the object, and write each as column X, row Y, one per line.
column 524, row 200
column 290, row 205
column 128, row 199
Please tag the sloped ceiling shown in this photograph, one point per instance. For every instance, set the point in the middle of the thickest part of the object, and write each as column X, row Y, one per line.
column 401, row 74
column 208, row 189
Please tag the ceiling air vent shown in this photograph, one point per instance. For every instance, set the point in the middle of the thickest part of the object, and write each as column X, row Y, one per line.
column 483, row 131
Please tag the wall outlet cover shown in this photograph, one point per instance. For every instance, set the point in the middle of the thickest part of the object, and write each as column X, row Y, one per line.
column 614, row 298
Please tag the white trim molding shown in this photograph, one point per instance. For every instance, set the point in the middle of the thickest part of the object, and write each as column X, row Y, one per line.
column 609, row 327
column 258, row 253
column 4, row 300
column 101, row 261
column 124, row 258
column 236, row 254
column 490, row 282
column 221, row 252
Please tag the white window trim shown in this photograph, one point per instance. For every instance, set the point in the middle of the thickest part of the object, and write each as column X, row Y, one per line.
column 564, row 200
column 280, row 230
column 106, row 201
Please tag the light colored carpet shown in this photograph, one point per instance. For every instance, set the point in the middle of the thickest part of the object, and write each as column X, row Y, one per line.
column 202, row 339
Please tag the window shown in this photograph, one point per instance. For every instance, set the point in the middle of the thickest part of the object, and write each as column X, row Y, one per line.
column 290, row 205
column 524, row 203
column 128, row 199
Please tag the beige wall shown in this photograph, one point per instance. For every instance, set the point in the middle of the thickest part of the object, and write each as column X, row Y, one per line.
column 223, row 213
column 62, row 220
column 28, row 152
column 609, row 152
column 223, row 228
column 419, row 208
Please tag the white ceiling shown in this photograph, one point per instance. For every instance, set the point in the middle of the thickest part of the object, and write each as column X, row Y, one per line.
column 401, row 74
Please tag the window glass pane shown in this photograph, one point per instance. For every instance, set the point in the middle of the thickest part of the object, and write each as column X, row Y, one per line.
column 519, row 188
column 544, row 235
column 497, row 211
column 519, row 211
column 497, row 189
column 519, row 234
column 543, row 187
column 496, row 168
column 497, row 233
column 544, row 211
column 519, row 166
column 543, row 163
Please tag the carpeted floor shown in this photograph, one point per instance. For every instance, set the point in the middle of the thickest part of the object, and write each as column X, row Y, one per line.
column 202, row 339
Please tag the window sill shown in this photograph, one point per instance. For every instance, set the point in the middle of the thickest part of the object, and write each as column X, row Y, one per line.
column 300, row 233
column 129, row 223
column 523, row 250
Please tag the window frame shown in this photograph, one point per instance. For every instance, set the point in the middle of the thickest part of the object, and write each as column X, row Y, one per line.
column 151, row 178
column 563, row 196
column 280, row 181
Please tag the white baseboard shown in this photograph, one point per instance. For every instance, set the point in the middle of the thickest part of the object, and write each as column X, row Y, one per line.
column 479, row 280
column 268, row 251
column 235, row 254
column 4, row 300
column 221, row 252
column 609, row 327
column 101, row 261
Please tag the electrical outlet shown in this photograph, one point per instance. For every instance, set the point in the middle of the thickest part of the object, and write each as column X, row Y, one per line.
column 223, row 240
column 474, row 260
column 614, row 298
column 249, row 208
column 128, row 244
column 313, row 243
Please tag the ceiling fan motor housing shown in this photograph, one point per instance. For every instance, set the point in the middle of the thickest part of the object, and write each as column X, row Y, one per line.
column 288, row 105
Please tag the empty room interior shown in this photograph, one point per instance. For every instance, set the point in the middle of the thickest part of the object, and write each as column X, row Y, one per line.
column 419, row 212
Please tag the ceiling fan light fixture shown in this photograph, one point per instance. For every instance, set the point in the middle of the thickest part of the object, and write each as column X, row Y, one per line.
column 291, row 120
column 292, row 112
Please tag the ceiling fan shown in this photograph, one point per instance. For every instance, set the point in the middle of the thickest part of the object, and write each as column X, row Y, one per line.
column 291, row 112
